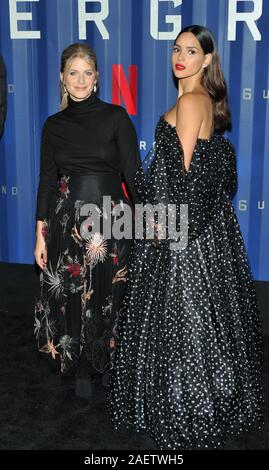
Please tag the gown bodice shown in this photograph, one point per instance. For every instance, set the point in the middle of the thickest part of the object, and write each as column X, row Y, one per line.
column 209, row 184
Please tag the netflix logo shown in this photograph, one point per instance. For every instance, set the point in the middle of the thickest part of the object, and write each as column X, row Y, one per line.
column 124, row 88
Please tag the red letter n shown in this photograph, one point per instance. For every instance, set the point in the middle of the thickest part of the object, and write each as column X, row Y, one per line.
column 122, row 88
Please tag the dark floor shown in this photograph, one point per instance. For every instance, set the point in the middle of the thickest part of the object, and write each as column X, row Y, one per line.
column 39, row 412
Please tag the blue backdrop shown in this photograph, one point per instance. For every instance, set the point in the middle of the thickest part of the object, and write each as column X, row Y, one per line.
column 133, row 41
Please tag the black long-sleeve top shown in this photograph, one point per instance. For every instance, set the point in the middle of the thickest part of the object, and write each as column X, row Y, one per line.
column 88, row 137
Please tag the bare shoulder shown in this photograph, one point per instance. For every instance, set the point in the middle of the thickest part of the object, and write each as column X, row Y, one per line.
column 193, row 101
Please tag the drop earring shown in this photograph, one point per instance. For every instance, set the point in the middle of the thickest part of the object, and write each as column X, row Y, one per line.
column 95, row 88
column 64, row 100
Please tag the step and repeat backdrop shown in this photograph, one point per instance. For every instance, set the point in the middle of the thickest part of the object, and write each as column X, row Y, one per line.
column 133, row 40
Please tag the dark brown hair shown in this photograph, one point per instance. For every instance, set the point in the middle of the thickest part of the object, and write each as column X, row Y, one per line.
column 68, row 55
column 213, row 79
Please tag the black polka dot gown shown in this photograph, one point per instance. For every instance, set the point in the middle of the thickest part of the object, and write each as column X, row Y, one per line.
column 187, row 366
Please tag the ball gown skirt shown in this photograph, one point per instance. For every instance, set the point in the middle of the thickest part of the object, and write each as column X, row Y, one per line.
column 84, row 280
column 187, row 367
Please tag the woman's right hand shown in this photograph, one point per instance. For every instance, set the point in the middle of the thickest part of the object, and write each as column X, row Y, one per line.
column 40, row 252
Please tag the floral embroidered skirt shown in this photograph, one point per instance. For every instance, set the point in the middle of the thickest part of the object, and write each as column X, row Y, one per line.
column 83, row 283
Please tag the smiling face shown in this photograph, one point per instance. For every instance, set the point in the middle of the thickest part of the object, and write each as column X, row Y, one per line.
column 188, row 58
column 79, row 78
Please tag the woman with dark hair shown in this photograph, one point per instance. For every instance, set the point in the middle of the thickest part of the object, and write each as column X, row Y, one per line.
column 88, row 149
column 187, row 366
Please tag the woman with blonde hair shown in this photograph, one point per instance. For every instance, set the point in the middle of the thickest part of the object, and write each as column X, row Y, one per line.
column 88, row 150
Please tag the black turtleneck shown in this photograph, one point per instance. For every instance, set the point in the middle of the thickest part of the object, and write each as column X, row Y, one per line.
column 88, row 137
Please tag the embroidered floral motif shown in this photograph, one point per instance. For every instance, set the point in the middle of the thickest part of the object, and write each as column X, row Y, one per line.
column 64, row 192
column 63, row 186
column 49, row 348
column 44, row 229
column 81, row 283
column 74, row 269
column 96, row 248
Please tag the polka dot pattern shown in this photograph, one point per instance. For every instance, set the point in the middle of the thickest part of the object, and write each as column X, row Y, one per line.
column 187, row 367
